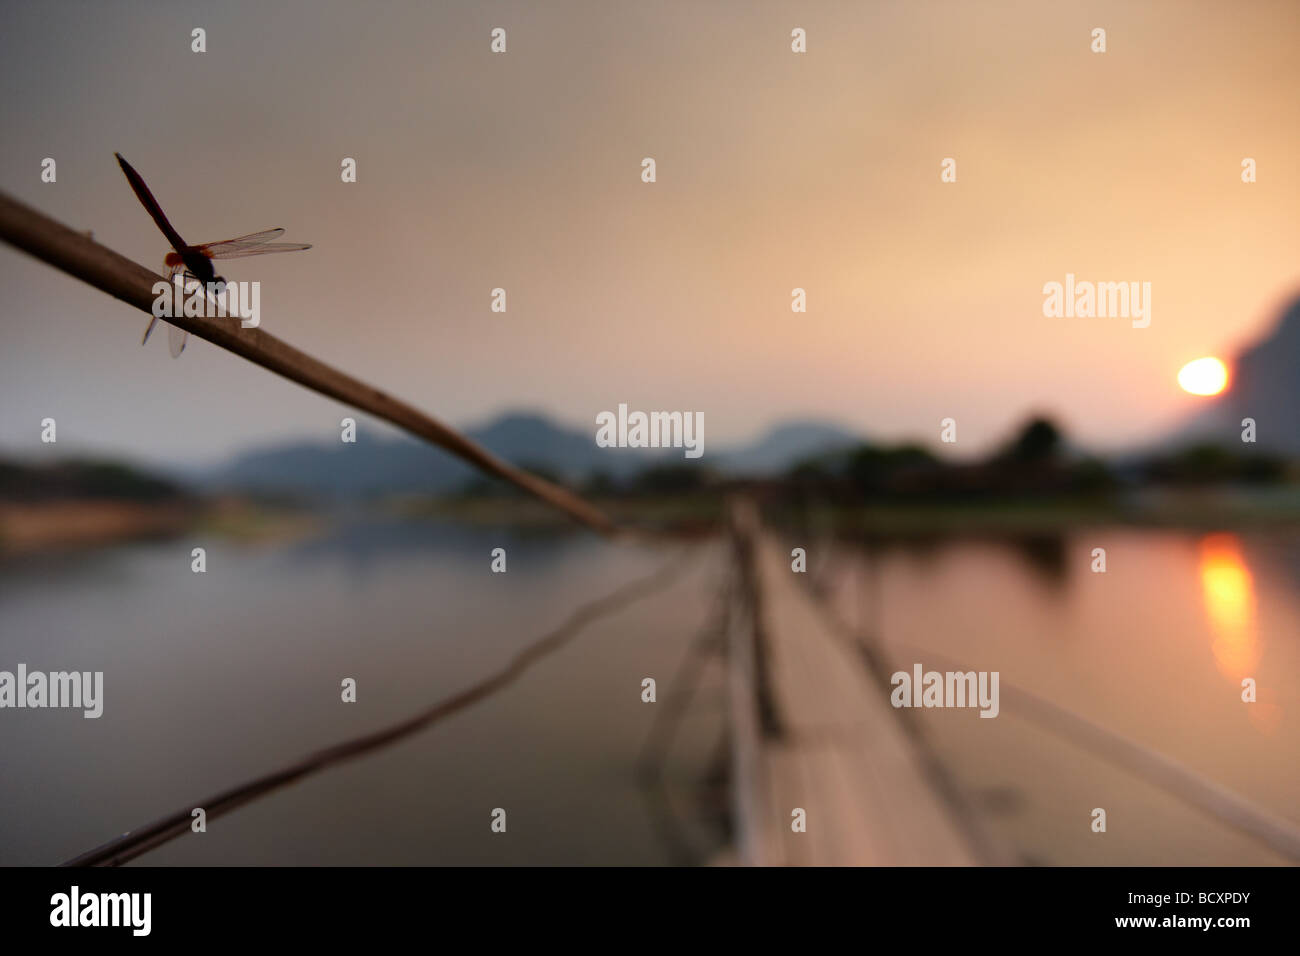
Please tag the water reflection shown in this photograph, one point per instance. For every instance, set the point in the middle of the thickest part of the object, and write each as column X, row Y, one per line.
column 214, row 678
column 1155, row 653
column 412, row 609
column 1228, row 590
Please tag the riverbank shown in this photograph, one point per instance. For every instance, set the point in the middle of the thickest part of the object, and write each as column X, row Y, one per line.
column 81, row 523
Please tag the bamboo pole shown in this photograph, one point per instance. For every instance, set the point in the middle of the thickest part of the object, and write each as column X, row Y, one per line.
column 748, row 790
column 80, row 256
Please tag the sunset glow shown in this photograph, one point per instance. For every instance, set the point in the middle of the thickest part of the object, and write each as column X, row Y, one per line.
column 1204, row 376
column 1228, row 590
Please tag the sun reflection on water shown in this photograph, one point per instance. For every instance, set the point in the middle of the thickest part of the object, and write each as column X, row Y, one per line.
column 1228, row 590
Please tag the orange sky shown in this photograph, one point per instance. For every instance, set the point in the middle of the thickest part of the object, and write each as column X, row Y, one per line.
column 775, row 170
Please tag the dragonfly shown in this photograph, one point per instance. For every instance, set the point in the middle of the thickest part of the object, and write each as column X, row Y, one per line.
column 195, row 262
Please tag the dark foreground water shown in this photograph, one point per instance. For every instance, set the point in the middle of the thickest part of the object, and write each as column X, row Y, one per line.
column 213, row 678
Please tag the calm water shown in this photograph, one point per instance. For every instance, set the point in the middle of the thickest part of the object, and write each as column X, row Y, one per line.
column 1154, row 649
column 214, row 678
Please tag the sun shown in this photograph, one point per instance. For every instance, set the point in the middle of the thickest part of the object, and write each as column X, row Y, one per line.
column 1204, row 376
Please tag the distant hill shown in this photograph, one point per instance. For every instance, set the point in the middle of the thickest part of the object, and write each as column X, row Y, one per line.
column 1265, row 386
column 381, row 466
column 786, row 445
column 398, row 465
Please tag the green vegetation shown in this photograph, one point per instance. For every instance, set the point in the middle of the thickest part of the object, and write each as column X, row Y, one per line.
column 1206, row 464
column 1034, row 483
column 85, row 480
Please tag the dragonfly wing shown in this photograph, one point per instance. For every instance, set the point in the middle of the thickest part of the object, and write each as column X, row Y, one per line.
column 252, row 239
column 149, row 330
column 176, row 340
column 261, row 249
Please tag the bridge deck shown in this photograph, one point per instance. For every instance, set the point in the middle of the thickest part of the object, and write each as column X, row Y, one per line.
column 841, row 753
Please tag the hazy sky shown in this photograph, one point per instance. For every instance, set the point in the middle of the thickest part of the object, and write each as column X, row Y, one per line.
column 775, row 170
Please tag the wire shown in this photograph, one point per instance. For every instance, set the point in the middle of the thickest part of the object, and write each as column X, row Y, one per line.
column 1156, row 768
column 133, row 843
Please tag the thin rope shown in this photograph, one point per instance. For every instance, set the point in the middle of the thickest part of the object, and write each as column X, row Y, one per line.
column 1233, row 809
column 133, row 843
column 1156, row 768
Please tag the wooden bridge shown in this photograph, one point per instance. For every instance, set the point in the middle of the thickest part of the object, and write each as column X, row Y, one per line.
column 813, row 732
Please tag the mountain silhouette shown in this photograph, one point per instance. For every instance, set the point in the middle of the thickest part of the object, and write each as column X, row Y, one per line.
column 785, row 445
column 398, row 465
